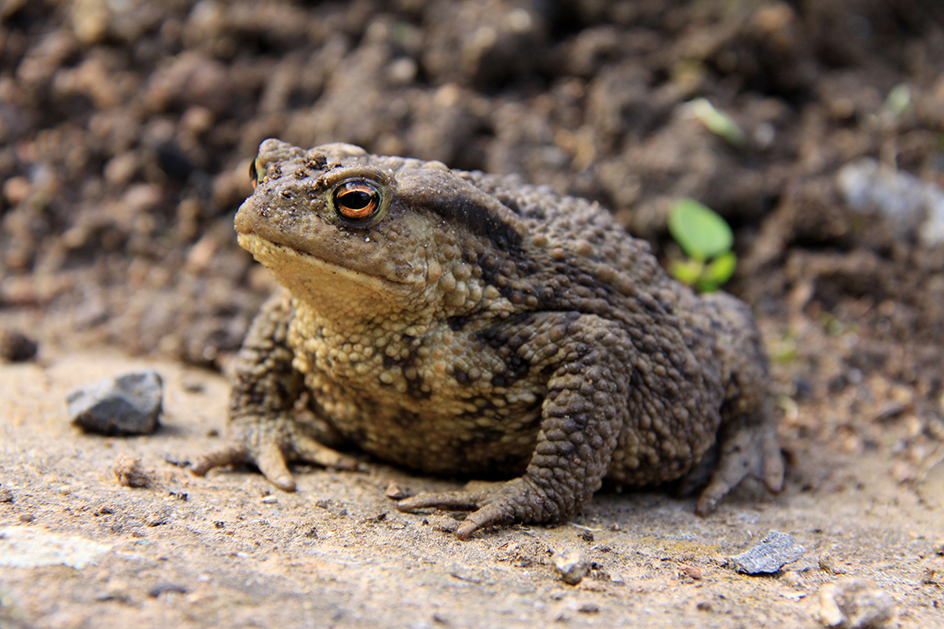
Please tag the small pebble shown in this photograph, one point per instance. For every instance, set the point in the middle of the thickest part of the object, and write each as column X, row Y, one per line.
column 6, row 495
column 932, row 576
column 855, row 604
column 113, row 595
column 827, row 563
column 16, row 347
column 395, row 492
column 793, row 580
column 573, row 566
column 769, row 555
column 163, row 588
column 193, row 386
column 689, row 572
column 125, row 405
column 892, row 410
column 129, row 472
column 158, row 518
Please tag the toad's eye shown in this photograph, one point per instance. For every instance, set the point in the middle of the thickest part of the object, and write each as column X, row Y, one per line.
column 254, row 174
column 356, row 199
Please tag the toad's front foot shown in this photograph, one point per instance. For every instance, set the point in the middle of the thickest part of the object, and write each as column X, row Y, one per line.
column 270, row 444
column 517, row 501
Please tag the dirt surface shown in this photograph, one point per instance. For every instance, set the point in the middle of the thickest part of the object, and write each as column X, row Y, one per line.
column 231, row 551
column 126, row 131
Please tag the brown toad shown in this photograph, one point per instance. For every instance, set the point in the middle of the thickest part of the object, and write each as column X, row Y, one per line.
column 462, row 323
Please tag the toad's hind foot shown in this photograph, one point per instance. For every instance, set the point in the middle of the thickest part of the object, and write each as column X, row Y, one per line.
column 517, row 500
column 748, row 447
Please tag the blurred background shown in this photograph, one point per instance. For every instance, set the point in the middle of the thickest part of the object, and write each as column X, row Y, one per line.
column 127, row 128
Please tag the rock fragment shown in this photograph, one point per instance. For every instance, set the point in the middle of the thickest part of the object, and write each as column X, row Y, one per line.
column 125, row 405
column 855, row 604
column 769, row 555
column 573, row 566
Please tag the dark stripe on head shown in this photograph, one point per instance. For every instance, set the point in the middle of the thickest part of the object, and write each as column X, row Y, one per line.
column 479, row 219
column 460, row 203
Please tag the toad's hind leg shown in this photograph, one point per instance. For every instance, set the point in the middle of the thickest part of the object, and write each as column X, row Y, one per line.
column 747, row 439
column 583, row 412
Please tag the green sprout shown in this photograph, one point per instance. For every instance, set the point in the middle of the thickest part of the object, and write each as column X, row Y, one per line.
column 898, row 101
column 784, row 350
column 718, row 122
column 706, row 239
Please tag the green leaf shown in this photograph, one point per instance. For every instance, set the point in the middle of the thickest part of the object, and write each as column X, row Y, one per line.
column 721, row 268
column 706, row 285
column 699, row 230
column 686, row 271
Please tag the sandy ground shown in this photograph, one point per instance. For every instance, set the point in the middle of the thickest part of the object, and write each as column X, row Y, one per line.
column 231, row 551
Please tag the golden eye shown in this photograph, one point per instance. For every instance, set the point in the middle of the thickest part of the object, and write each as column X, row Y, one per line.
column 253, row 174
column 356, row 199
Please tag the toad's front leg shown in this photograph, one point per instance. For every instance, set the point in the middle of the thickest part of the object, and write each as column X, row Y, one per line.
column 582, row 414
column 262, row 429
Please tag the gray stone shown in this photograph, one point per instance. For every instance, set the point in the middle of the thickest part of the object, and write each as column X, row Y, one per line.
column 908, row 202
column 769, row 555
column 125, row 405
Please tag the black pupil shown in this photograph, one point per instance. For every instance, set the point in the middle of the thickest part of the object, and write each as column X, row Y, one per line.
column 356, row 199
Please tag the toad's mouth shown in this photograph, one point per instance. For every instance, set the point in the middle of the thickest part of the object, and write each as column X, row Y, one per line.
column 294, row 268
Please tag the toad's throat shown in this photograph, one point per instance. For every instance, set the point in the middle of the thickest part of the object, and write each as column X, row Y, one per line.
column 302, row 272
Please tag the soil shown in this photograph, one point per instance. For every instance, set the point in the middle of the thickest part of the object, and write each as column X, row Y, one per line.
column 126, row 132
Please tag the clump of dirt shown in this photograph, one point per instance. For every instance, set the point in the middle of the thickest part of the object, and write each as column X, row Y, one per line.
column 126, row 131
